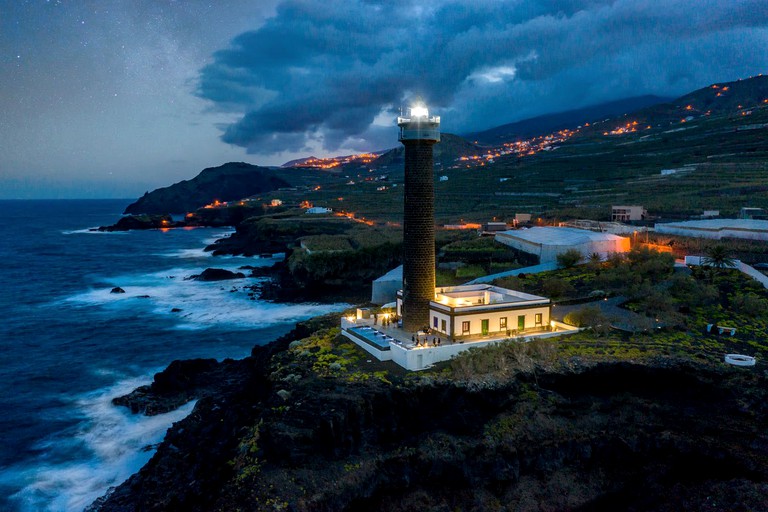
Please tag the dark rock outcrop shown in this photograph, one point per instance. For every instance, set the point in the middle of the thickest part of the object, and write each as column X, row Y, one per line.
column 131, row 222
column 228, row 182
column 117, row 289
column 181, row 382
column 611, row 437
column 217, row 274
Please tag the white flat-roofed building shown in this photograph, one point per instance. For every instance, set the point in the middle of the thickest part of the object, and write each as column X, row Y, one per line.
column 461, row 317
column 547, row 242
column 750, row 229
column 461, row 312
column 318, row 210
column 628, row 213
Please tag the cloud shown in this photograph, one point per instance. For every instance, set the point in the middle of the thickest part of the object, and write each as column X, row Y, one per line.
column 322, row 72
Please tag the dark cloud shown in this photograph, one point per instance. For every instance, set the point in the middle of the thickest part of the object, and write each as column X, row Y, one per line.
column 321, row 72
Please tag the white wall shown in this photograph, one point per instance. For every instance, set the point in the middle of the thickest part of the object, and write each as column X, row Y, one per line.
column 381, row 355
column 549, row 252
column 493, row 317
column 712, row 233
column 440, row 316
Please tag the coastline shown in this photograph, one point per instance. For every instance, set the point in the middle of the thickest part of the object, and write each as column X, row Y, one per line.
column 69, row 341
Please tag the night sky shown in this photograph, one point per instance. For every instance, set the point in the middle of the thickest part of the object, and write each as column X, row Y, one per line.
column 110, row 98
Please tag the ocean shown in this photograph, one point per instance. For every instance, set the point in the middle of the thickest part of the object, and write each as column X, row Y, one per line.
column 68, row 345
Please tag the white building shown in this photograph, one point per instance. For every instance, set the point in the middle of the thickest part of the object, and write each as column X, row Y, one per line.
column 467, row 311
column 548, row 242
column 384, row 289
column 522, row 217
column 628, row 213
column 749, row 212
column 461, row 317
column 750, row 229
column 317, row 210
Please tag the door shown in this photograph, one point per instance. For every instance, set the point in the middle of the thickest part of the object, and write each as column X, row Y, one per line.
column 484, row 327
column 521, row 323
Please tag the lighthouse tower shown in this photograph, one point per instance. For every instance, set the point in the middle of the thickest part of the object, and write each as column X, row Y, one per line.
column 418, row 133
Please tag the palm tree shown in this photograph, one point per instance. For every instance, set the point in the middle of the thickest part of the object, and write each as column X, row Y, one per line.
column 718, row 257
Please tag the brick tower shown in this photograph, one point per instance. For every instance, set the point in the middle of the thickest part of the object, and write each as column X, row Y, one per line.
column 418, row 133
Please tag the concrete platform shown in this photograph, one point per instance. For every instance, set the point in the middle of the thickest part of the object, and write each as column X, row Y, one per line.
column 423, row 354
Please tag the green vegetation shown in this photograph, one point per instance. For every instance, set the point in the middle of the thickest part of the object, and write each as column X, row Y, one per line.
column 502, row 361
column 748, row 251
column 332, row 243
column 470, row 272
column 247, row 464
column 327, row 354
column 718, row 256
column 669, row 311
column 474, row 256
column 568, row 258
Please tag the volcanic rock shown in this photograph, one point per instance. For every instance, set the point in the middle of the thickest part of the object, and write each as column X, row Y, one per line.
column 217, row 274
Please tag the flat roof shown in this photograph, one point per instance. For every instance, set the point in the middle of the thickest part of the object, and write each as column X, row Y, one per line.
column 549, row 235
column 480, row 297
column 396, row 274
column 718, row 224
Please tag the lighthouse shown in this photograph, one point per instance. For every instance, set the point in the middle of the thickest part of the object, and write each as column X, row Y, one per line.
column 419, row 132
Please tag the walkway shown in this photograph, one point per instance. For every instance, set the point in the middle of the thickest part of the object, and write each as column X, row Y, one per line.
column 619, row 317
column 542, row 267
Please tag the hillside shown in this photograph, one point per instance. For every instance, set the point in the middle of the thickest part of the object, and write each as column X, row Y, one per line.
column 570, row 119
column 720, row 99
column 450, row 148
column 228, row 182
column 446, row 152
column 718, row 161
column 714, row 138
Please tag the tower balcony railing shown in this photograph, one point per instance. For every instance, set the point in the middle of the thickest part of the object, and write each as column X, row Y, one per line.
column 419, row 119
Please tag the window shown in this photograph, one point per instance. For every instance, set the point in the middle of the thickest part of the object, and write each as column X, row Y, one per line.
column 464, row 327
column 434, row 322
column 443, row 326
column 503, row 322
column 538, row 318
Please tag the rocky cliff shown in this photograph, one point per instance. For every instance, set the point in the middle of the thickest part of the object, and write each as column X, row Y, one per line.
column 301, row 429
column 229, row 182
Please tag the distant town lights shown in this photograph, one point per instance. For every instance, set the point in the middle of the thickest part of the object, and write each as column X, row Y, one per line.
column 419, row 111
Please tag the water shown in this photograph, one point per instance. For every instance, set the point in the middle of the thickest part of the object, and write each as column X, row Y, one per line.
column 68, row 345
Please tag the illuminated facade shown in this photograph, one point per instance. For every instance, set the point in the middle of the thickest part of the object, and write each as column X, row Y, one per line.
column 472, row 311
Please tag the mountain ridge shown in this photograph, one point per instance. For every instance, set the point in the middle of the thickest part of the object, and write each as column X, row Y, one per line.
column 227, row 182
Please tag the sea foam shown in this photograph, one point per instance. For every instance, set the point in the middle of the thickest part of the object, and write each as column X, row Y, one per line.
column 106, row 447
column 92, row 231
column 202, row 305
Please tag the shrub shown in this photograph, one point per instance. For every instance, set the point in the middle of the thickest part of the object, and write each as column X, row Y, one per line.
column 568, row 258
column 589, row 316
column 555, row 287
column 750, row 304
